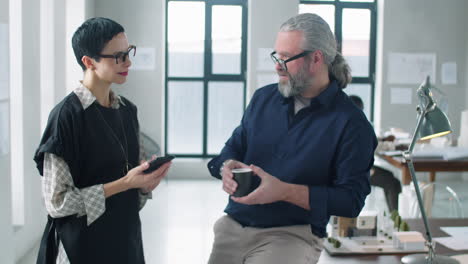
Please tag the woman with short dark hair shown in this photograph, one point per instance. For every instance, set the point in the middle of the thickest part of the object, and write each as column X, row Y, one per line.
column 88, row 156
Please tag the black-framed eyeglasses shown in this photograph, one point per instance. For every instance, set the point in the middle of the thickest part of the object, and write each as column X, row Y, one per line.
column 121, row 56
column 282, row 63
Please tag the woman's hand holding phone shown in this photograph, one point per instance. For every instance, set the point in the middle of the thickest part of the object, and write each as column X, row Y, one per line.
column 149, row 174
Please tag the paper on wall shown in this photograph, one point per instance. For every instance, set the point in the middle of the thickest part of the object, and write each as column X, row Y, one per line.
column 411, row 68
column 400, row 95
column 145, row 59
column 449, row 73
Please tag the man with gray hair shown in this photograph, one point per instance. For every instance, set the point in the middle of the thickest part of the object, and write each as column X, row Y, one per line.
column 309, row 146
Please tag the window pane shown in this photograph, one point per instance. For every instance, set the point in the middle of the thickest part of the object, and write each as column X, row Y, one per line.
column 327, row 12
column 363, row 91
column 225, row 108
column 185, row 117
column 226, row 39
column 356, row 40
column 186, row 39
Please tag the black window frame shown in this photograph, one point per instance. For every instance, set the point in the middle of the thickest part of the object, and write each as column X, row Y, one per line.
column 208, row 76
column 372, row 7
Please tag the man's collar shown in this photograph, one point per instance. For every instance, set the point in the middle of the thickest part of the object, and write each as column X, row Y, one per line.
column 325, row 98
column 87, row 98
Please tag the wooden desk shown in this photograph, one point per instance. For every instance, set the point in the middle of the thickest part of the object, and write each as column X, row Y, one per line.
column 431, row 165
column 416, row 225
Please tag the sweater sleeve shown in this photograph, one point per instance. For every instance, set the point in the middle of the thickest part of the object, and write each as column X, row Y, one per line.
column 354, row 159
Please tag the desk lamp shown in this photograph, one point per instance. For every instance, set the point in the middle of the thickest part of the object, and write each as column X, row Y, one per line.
column 432, row 122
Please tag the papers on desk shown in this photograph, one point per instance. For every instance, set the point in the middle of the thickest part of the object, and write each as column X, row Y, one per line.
column 447, row 153
column 461, row 258
column 454, row 243
column 456, row 231
column 458, row 239
column 391, row 153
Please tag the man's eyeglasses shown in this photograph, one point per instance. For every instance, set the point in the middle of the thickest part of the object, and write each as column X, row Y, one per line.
column 121, row 56
column 282, row 63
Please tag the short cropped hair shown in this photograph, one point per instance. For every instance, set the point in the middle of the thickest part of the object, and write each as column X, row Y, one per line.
column 92, row 36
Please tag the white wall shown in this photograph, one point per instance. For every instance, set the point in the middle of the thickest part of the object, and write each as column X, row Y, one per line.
column 89, row 8
column 6, row 228
column 466, row 61
column 428, row 26
column 26, row 236
column 265, row 18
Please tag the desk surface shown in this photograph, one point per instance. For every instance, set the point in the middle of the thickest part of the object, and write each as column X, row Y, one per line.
column 415, row 224
column 435, row 164
column 428, row 165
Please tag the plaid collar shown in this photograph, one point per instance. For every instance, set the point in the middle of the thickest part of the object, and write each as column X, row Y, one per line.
column 87, row 98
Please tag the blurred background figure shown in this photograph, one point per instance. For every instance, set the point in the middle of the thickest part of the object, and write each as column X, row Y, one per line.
column 379, row 176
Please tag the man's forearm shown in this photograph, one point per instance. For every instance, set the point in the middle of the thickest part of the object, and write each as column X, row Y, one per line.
column 298, row 195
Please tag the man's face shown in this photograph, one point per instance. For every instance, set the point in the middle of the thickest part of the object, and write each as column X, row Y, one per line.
column 297, row 78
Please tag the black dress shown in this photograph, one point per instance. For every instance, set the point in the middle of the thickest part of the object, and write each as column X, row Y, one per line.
column 91, row 141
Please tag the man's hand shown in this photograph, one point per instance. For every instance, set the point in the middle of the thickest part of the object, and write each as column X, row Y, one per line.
column 271, row 190
column 229, row 185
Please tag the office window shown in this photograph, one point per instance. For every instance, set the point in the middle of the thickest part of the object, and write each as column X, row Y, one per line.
column 205, row 78
column 354, row 23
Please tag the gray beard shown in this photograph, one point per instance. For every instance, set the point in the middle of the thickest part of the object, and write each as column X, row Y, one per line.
column 295, row 85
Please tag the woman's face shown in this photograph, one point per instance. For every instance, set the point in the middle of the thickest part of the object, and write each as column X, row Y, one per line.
column 106, row 68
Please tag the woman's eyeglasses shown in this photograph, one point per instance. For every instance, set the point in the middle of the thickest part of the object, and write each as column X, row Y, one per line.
column 121, row 56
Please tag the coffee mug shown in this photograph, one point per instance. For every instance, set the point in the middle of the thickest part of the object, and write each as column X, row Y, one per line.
column 243, row 177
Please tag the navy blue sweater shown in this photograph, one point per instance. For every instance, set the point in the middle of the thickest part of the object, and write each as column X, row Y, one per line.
column 327, row 146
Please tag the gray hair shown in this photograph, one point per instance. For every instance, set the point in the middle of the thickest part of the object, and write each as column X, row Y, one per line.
column 318, row 36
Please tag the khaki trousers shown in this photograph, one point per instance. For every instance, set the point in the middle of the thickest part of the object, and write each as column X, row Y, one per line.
column 234, row 244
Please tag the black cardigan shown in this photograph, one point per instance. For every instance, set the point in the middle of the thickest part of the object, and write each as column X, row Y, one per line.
column 90, row 141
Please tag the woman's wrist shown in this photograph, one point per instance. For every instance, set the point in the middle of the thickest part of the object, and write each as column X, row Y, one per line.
column 126, row 182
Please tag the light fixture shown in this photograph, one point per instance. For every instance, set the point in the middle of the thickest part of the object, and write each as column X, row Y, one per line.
column 432, row 122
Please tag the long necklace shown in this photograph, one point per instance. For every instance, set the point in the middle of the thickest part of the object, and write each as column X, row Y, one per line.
column 128, row 166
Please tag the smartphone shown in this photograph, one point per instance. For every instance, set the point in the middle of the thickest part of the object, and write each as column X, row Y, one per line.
column 156, row 163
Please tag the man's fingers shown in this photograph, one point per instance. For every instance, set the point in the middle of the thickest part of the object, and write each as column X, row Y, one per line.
column 248, row 199
column 227, row 189
column 230, row 182
column 229, row 186
column 257, row 171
